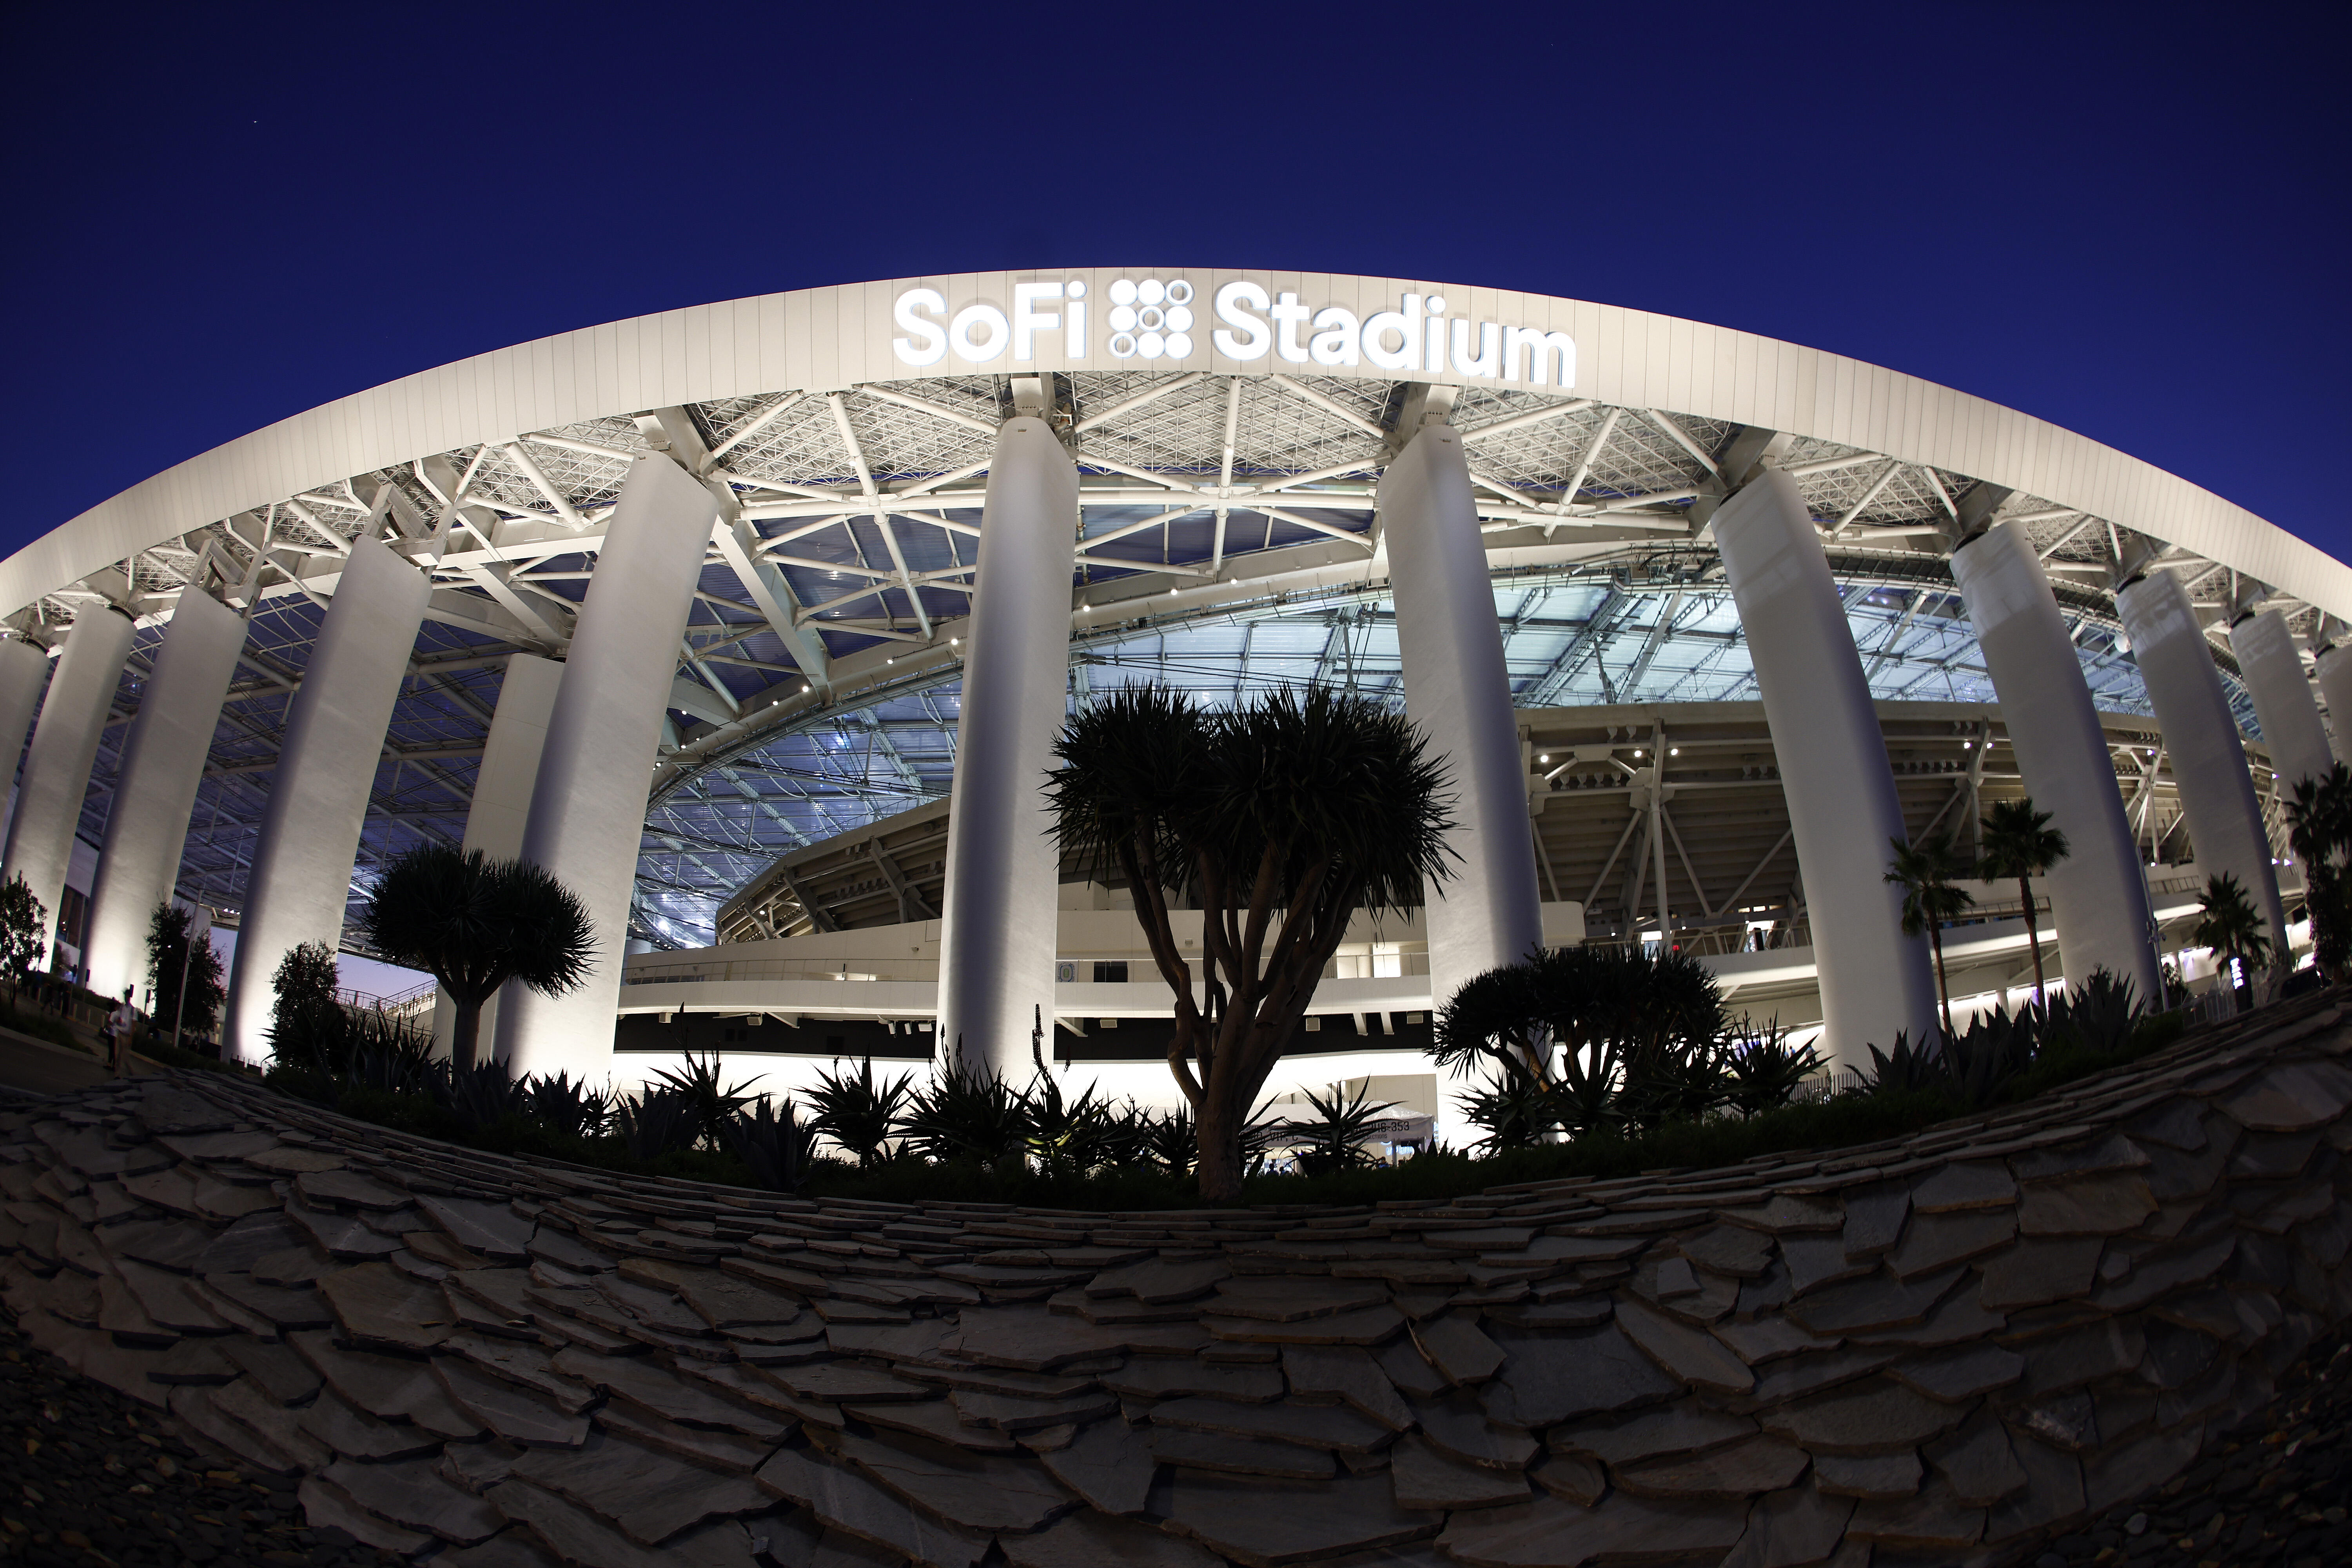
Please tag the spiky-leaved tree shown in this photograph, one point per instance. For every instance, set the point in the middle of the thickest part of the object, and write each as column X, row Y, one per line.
column 2020, row 842
column 1286, row 817
column 2319, row 831
column 2234, row 929
column 1926, row 872
column 476, row 924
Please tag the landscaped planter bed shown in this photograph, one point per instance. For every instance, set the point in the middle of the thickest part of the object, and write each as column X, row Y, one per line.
column 1949, row 1347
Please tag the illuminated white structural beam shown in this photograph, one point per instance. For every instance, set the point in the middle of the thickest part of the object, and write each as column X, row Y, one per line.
column 588, row 803
column 2292, row 732
column 300, row 878
column 24, row 670
column 56, row 768
column 2098, row 896
column 500, row 807
column 1842, row 808
column 164, row 761
column 2335, row 685
column 1489, row 914
column 2209, row 763
column 1002, row 885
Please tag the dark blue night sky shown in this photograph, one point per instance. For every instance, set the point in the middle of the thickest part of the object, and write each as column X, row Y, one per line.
column 2129, row 220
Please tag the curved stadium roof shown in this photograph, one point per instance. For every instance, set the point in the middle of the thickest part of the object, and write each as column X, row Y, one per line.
column 1227, row 543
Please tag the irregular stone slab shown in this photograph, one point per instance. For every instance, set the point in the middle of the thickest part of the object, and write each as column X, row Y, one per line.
column 1240, row 1456
column 1729, row 1250
column 1458, row 1426
column 1333, row 1426
column 1932, row 1520
column 286, row 1310
column 579, row 1537
column 527, row 1366
column 654, row 1306
column 297, row 1266
column 651, row 1496
column 664, row 1393
column 413, row 1493
column 2093, row 1205
column 1788, row 1211
column 1552, row 1378
column 717, row 1450
column 1878, row 1302
column 1813, row 1261
column 1266, row 1527
column 1875, row 1476
column 1874, row 1219
column 1031, row 1339
column 1745, row 1470
column 1166, row 1377
column 2052, row 1496
column 1877, row 1416
column 1091, row 1539
column 1108, row 1464
column 972, row 1491
column 218, row 1200
column 494, row 1230
column 938, row 1420
column 363, row 1437
column 344, row 1235
column 198, row 1413
column 166, row 1108
column 1936, row 1241
column 1160, row 1281
column 848, row 1501
column 285, row 1160
column 1453, row 1345
column 1013, row 1412
column 1365, row 1326
column 391, row 1388
column 514, row 1415
column 237, row 1249
column 166, row 1299
column 2290, row 1098
column 1977, row 1184
column 1961, row 1374
column 1552, row 1534
column 1976, row 1463
column 1425, row 1477
column 275, row 1368
column 1686, row 1426
column 1792, row 1527
column 1768, row 1339
column 380, row 1307
column 325, row 1505
column 1348, row 1374
column 721, row 1300
column 251, row 1406
column 1571, row 1476
column 2112, row 1152
column 841, row 1383
column 350, row 1189
column 2033, row 1273
column 1695, row 1357
column 552, row 1246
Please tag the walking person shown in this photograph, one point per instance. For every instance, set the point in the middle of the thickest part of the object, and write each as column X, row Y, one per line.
column 120, row 1024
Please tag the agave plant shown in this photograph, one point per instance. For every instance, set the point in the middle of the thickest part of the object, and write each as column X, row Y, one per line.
column 1516, row 1111
column 1171, row 1143
column 1905, row 1068
column 964, row 1114
column 571, row 1110
column 858, row 1113
column 774, row 1141
column 2099, row 1016
column 483, row 1096
column 1977, row 1063
column 698, row 1080
column 1334, row 1139
column 659, row 1121
column 1761, row 1072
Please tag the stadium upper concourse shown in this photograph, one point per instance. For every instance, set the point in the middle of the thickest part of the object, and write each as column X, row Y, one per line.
column 694, row 609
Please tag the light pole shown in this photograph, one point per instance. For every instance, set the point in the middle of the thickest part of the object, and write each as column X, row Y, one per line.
column 200, row 929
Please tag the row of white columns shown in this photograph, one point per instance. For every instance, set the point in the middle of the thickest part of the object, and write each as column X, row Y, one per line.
column 567, row 764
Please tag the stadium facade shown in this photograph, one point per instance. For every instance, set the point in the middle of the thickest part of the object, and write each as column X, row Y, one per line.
column 755, row 622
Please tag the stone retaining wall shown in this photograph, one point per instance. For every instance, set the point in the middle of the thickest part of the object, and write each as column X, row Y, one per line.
column 1940, row 1349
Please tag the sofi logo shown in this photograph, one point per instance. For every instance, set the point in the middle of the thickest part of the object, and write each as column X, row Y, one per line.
column 1152, row 319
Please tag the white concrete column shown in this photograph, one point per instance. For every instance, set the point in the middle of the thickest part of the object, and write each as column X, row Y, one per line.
column 997, row 906
column 2209, row 763
column 2097, row 894
column 588, row 804
column 2292, row 732
column 1489, row 914
column 65, row 745
column 1842, row 808
column 24, row 671
column 500, row 808
column 300, row 879
column 163, row 762
column 2335, row 685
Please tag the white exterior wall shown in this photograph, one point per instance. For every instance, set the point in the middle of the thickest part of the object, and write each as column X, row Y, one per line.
column 65, row 746
column 588, row 804
column 1488, row 913
column 2336, row 684
column 300, row 879
column 163, row 762
column 2292, row 732
column 24, row 672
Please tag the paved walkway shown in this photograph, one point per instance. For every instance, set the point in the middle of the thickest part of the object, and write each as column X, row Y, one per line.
column 46, row 1068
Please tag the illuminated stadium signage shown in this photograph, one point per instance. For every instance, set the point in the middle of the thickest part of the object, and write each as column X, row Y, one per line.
column 1162, row 319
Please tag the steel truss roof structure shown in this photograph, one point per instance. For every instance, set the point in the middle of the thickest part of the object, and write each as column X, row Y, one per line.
column 1227, row 543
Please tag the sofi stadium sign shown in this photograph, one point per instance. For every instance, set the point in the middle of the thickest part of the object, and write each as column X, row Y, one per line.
column 1159, row 319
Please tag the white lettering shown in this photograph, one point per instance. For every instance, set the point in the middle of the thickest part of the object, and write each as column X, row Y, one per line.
column 929, row 340
column 1433, row 335
column 970, row 315
column 1406, row 325
column 1027, row 322
column 1334, row 342
column 1232, row 303
column 1288, row 313
column 1542, row 347
column 1074, row 342
column 1490, row 348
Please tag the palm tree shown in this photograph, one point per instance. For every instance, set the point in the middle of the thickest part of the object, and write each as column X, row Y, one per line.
column 1927, row 872
column 1286, row 817
column 2020, row 842
column 2234, row 929
column 478, row 923
column 2319, row 831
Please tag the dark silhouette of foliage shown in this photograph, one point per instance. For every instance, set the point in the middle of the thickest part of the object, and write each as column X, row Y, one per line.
column 659, row 1121
column 774, row 1143
column 2234, row 929
column 858, row 1113
column 24, row 930
column 712, row 1105
column 181, row 973
column 477, row 923
column 2019, row 842
column 1285, row 816
column 1926, row 872
column 1334, row 1139
column 2319, row 831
